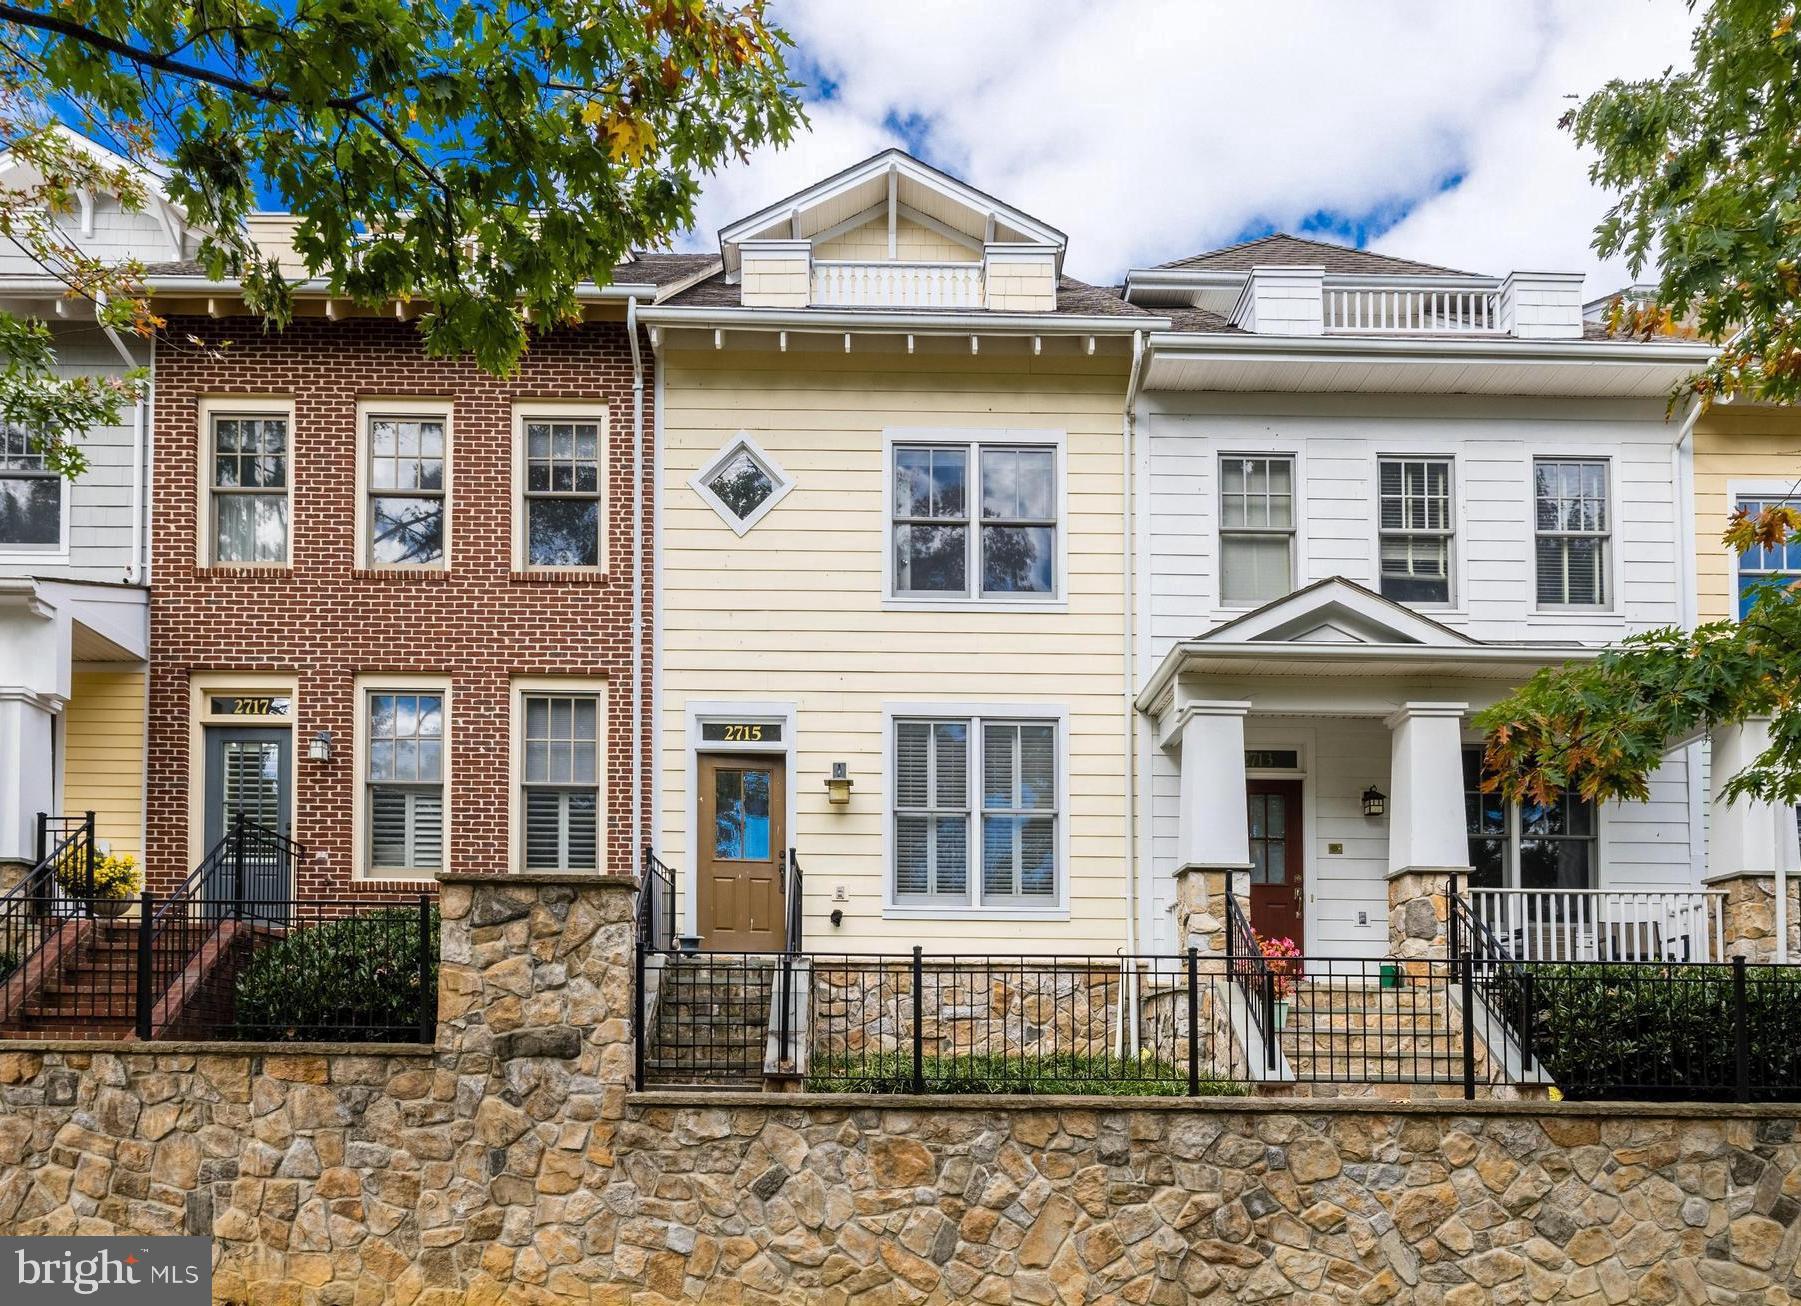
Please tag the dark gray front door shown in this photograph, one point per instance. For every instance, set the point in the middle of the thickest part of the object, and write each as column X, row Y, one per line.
column 249, row 774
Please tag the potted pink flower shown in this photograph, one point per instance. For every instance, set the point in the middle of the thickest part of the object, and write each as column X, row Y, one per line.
column 1283, row 958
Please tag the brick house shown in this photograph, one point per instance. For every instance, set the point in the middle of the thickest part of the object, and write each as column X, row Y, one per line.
column 394, row 609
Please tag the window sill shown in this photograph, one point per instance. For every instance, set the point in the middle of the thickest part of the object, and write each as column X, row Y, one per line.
column 975, row 605
column 891, row 912
column 403, row 575
column 558, row 576
column 1572, row 614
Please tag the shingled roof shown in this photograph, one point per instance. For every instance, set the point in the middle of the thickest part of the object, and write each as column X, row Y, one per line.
column 1074, row 299
column 1283, row 249
column 654, row 269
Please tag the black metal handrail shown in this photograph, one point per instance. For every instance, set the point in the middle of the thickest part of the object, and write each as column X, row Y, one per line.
column 1251, row 971
column 656, row 904
column 40, row 907
column 794, row 890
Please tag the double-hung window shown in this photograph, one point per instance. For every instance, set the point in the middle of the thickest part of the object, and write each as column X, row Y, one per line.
column 407, row 455
column 975, row 519
column 405, row 799
column 560, row 779
column 563, row 484
column 1766, row 567
column 1572, row 523
column 1256, row 528
column 982, row 793
column 1414, row 511
column 31, row 493
column 1528, row 845
column 249, row 469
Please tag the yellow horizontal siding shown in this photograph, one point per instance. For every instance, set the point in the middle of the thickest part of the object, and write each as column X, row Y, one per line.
column 912, row 244
column 1735, row 445
column 103, row 756
column 793, row 612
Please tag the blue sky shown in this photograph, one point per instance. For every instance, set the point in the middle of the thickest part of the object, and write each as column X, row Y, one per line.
column 1158, row 128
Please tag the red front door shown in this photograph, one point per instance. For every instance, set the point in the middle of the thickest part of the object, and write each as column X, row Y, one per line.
column 1278, row 868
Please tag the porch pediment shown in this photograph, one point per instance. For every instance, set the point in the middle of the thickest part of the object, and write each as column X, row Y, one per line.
column 1336, row 611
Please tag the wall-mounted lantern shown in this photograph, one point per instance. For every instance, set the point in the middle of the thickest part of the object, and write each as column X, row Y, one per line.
column 837, row 784
column 1375, row 802
column 319, row 747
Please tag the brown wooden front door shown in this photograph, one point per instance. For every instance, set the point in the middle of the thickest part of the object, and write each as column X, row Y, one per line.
column 743, row 847
column 1278, row 862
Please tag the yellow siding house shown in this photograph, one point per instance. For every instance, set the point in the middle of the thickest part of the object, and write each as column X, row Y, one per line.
column 893, row 579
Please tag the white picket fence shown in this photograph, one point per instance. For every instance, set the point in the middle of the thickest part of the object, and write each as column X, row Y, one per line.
column 897, row 285
column 1401, row 310
column 1604, row 924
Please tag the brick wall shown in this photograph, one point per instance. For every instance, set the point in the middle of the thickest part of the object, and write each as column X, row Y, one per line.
column 325, row 620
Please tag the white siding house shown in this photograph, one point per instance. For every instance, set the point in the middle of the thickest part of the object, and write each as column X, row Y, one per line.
column 73, row 575
column 1373, row 497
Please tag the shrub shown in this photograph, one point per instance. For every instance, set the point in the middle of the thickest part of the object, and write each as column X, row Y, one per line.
column 353, row 979
column 1060, row 1072
column 9, row 962
column 1612, row 1031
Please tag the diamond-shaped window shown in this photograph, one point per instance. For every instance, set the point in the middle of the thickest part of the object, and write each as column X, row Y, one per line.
column 742, row 483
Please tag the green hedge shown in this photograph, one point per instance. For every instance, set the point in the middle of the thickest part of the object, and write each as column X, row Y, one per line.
column 1659, row 1031
column 1063, row 1072
column 349, row 980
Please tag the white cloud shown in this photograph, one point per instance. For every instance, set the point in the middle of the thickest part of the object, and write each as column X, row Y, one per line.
column 1152, row 130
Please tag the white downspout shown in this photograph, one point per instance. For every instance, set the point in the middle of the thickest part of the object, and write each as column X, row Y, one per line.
column 140, row 453
column 1688, row 609
column 637, row 695
column 1129, row 729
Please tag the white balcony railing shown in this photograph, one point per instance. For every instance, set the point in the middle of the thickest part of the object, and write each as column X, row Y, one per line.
column 897, row 285
column 1604, row 924
column 1392, row 310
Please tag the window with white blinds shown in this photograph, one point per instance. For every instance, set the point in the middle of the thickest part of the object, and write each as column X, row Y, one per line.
column 1256, row 528
column 561, row 782
column 405, row 782
column 1414, row 508
column 1572, row 523
column 976, row 792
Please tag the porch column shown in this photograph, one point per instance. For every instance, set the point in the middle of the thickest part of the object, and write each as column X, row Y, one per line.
column 26, row 724
column 1748, row 842
column 1428, row 841
column 1213, row 833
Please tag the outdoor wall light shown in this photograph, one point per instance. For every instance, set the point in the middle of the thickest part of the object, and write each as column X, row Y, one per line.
column 1375, row 802
column 837, row 784
column 319, row 749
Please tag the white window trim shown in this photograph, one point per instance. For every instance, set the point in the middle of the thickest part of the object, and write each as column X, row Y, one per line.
column 1296, row 546
column 1454, row 563
column 38, row 554
column 697, row 713
column 401, row 406
column 573, row 410
column 1576, row 612
column 359, row 825
column 1056, row 714
column 521, row 688
column 1510, row 868
column 975, row 601
column 201, row 687
column 1759, row 488
column 213, row 406
column 728, row 451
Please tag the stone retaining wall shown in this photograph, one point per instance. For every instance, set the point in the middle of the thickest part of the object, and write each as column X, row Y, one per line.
column 511, row 1163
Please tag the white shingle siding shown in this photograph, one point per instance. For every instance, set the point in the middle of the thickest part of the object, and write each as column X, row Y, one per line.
column 1542, row 305
column 117, row 236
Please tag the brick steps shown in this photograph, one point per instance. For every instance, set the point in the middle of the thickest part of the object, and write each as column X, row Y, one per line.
column 90, row 991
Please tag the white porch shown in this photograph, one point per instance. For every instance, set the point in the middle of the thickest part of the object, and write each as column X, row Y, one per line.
column 1366, row 708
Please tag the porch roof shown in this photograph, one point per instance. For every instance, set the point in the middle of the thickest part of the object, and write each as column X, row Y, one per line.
column 1337, row 628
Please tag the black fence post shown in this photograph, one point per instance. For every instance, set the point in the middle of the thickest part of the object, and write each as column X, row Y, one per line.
column 43, row 845
column 87, row 825
column 1268, row 1017
column 1194, row 1021
column 782, row 1052
column 146, row 923
column 1453, row 936
column 237, row 857
column 1526, row 1013
column 1467, row 976
column 428, row 988
column 1741, row 1032
column 919, row 1029
column 639, row 1033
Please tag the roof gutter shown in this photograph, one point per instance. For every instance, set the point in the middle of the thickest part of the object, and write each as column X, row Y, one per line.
column 617, row 290
column 1501, row 349
column 1176, row 660
column 814, row 319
